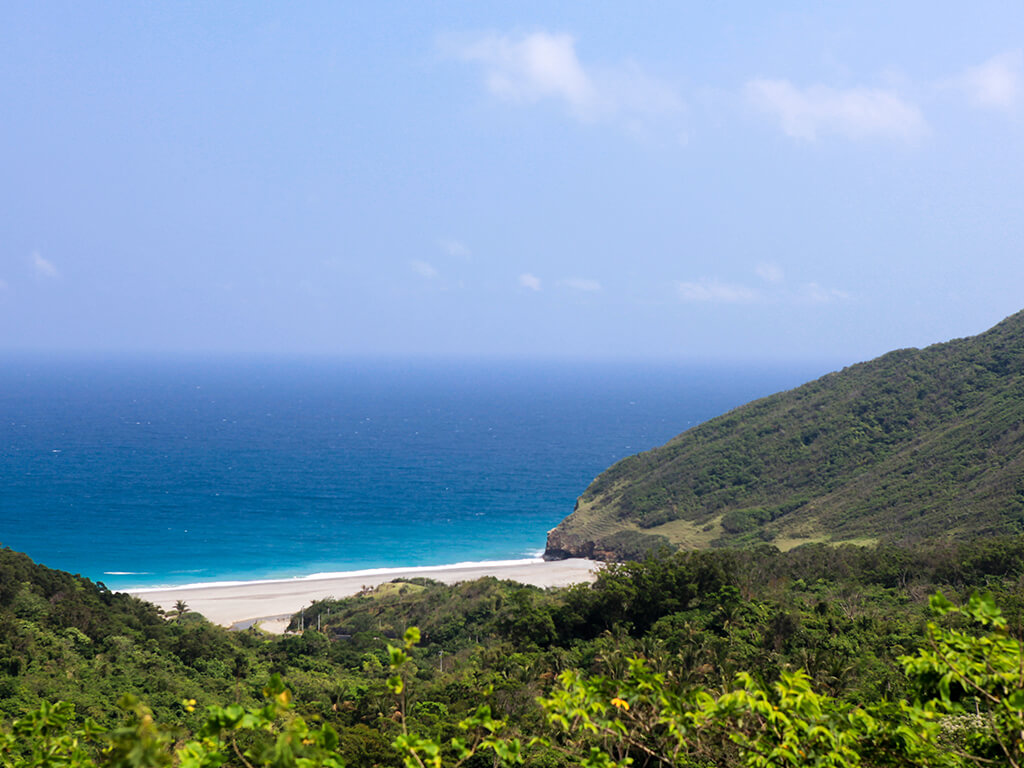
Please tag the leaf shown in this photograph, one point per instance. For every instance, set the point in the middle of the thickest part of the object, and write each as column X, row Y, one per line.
column 412, row 636
column 940, row 605
column 396, row 657
column 1016, row 700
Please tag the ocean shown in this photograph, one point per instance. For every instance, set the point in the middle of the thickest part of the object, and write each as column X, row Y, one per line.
column 142, row 473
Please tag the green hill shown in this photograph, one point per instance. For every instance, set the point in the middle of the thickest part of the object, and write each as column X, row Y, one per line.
column 915, row 444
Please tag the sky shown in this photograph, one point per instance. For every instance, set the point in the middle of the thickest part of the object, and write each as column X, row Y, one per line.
column 665, row 181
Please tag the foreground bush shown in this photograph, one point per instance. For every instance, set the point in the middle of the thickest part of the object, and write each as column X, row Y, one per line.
column 968, row 710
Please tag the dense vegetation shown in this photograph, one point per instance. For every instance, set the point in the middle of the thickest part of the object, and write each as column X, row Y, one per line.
column 915, row 444
column 845, row 615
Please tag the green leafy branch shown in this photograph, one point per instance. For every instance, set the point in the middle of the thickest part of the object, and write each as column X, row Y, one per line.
column 484, row 731
column 48, row 738
column 985, row 671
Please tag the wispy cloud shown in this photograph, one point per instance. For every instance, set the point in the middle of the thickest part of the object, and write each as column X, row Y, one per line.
column 770, row 272
column 43, row 267
column 539, row 66
column 583, row 284
column 455, row 248
column 995, row 84
column 714, row 291
column 816, row 294
column 711, row 290
column 423, row 269
column 854, row 113
column 526, row 280
column 534, row 67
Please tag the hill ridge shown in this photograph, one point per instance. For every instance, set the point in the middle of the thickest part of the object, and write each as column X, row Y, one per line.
column 914, row 444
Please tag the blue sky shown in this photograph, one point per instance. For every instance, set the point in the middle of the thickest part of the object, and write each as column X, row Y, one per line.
column 590, row 180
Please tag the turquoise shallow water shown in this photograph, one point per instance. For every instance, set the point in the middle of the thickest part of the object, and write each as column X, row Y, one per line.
column 143, row 473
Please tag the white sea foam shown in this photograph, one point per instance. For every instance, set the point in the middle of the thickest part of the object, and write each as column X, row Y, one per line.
column 326, row 575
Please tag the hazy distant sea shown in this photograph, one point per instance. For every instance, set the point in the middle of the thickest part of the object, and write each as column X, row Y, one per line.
column 138, row 473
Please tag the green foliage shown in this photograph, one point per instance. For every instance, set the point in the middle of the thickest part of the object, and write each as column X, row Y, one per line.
column 980, row 676
column 646, row 715
column 635, row 545
column 425, row 752
column 47, row 738
column 743, row 520
column 486, row 650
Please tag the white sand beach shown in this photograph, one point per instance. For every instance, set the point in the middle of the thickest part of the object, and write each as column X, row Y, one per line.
column 272, row 602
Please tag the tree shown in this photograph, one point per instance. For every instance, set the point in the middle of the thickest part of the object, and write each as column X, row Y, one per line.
column 969, row 710
column 180, row 609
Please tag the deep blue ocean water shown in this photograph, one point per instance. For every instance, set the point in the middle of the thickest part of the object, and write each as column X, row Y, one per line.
column 141, row 473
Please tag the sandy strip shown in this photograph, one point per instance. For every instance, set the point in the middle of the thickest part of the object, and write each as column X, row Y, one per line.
column 271, row 602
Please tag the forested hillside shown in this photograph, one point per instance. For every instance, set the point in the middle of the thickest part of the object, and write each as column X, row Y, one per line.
column 844, row 614
column 914, row 445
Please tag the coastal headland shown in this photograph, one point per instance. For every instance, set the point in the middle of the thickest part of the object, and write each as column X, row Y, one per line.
column 271, row 603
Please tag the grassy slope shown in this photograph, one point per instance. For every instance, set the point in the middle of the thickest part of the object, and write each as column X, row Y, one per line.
column 911, row 445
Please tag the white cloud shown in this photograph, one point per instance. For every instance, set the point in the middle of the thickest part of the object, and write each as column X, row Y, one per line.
column 855, row 113
column 581, row 284
column 542, row 65
column 713, row 291
column 996, row 83
column 706, row 290
column 526, row 280
column 816, row 294
column 770, row 272
column 455, row 248
column 44, row 267
column 534, row 67
column 423, row 269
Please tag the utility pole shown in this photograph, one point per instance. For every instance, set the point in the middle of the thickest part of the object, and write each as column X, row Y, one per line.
column 440, row 661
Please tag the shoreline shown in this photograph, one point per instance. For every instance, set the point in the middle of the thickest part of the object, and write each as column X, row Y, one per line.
column 326, row 575
column 269, row 602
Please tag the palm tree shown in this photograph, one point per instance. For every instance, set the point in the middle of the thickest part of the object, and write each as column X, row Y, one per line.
column 180, row 609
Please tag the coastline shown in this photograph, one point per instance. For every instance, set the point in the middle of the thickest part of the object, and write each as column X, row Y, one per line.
column 271, row 602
